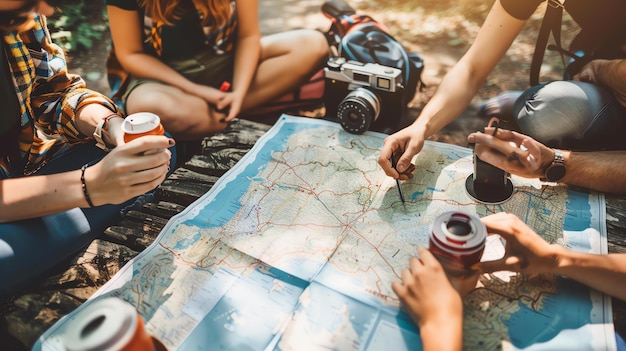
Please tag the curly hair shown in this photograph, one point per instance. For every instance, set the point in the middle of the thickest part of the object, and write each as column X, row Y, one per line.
column 215, row 12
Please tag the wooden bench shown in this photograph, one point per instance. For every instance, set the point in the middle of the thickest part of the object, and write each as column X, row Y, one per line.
column 26, row 316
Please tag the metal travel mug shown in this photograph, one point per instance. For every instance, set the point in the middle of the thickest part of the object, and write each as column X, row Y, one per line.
column 457, row 240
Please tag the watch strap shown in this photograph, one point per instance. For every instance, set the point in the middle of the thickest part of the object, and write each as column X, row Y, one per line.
column 558, row 156
column 557, row 163
column 97, row 134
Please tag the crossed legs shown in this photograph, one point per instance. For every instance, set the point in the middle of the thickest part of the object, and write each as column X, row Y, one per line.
column 287, row 60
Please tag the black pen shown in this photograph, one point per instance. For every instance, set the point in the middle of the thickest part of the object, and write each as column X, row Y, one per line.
column 393, row 164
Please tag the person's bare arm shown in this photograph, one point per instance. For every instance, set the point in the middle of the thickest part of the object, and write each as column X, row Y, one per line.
column 247, row 55
column 600, row 170
column 610, row 73
column 456, row 90
column 528, row 253
column 434, row 305
column 123, row 174
column 605, row 273
column 521, row 155
column 36, row 196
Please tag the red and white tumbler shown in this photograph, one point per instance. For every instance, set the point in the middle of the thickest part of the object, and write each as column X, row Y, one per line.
column 457, row 240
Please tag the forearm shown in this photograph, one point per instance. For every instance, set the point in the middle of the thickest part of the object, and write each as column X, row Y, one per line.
column 88, row 117
column 605, row 273
column 450, row 100
column 58, row 100
column 467, row 76
column 36, row 196
column 444, row 336
column 600, row 171
column 246, row 62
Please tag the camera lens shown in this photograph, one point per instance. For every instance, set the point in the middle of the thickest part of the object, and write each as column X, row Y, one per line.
column 358, row 110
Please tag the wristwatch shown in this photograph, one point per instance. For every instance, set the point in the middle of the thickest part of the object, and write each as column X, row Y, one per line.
column 97, row 134
column 556, row 170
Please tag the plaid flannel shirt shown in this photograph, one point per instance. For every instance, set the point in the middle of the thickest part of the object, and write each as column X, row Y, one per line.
column 49, row 98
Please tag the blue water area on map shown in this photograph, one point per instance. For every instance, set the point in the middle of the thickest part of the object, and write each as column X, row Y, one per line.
column 562, row 311
column 222, row 208
column 397, row 333
column 186, row 242
column 249, row 314
column 414, row 195
column 329, row 311
column 578, row 215
column 570, row 308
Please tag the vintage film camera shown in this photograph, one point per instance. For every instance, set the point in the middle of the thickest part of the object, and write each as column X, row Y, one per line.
column 364, row 96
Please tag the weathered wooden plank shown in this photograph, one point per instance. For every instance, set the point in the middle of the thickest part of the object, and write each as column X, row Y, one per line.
column 217, row 162
column 238, row 134
column 184, row 192
column 185, row 174
column 616, row 229
column 616, row 222
column 163, row 209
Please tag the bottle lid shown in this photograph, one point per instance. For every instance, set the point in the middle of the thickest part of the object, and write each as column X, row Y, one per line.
column 459, row 233
column 105, row 324
column 140, row 123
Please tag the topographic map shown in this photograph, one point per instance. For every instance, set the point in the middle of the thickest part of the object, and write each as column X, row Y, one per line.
column 295, row 248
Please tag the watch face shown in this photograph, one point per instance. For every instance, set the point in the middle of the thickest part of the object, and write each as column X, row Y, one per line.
column 555, row 172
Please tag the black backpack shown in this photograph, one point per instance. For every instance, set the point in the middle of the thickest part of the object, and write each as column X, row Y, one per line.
column 601, row 42
column 361, row 38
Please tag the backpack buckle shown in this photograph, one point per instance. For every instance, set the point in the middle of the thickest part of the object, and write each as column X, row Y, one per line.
column 556, row 3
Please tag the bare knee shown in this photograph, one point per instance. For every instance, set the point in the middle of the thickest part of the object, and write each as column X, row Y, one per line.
column 312, row 47
column 185, row 116
column 306, row 50
column 318, row 44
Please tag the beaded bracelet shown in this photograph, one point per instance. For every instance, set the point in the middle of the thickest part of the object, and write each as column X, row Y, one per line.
column 84, row 185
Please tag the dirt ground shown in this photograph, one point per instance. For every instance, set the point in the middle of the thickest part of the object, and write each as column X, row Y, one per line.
column 439, row 30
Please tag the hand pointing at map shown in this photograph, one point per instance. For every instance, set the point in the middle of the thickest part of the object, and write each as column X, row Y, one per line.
column 403, row 146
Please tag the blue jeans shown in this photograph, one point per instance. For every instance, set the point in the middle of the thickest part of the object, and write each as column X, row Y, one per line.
column 572, row 115
column 33, row 247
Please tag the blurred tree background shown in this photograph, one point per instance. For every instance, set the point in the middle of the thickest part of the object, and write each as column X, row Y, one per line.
column 78, row 25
